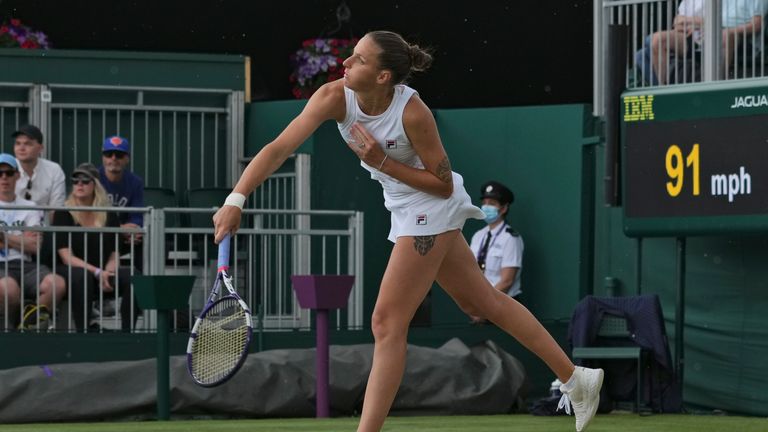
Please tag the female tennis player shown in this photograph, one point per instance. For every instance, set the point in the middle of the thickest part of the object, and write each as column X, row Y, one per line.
column 388, row 126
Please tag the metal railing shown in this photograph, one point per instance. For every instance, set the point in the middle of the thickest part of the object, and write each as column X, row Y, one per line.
column 14, row 109
column 680, row 41
column 263, row 259
column 58, row 281
column 265, row 255
column 181, row 138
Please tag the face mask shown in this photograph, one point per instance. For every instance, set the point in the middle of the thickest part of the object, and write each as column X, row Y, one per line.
column 491, row 213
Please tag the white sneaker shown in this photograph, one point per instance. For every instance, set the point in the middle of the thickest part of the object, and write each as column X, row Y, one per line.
column 583, row 392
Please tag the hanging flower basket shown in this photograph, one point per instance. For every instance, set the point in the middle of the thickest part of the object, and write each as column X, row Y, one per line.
column 13, row 34
column 318, row 61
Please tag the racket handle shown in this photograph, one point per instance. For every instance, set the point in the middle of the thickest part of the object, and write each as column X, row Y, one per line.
column 224, row 251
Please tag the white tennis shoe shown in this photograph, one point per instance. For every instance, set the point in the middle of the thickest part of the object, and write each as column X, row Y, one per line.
column 583, row 392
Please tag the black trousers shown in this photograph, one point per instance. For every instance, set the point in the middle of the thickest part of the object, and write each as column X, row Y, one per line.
column 84, row 288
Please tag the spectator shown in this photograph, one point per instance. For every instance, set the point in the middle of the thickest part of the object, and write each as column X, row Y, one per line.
column 124, row 188
column 91, row 260
column 16, row 246
column 41, row 180
column 740, row 20
column 685, row 27
column 497, row 247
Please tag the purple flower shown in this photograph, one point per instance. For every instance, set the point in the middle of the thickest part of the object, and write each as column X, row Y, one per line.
column 322, row 45
column 317, row 63
column 20, row 35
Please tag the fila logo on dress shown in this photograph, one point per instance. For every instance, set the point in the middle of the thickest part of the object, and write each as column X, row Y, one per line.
column 391, row 144
column 421, row 219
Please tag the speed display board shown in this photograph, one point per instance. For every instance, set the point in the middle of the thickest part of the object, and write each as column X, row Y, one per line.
column 695, row 160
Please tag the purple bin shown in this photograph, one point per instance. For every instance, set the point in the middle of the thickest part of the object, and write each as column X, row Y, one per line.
column 322, row 292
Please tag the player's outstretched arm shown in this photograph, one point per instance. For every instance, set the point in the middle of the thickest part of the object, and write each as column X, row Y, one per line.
column 326, row 104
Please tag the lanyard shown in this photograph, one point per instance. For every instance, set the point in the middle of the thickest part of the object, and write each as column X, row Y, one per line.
column 491, row 242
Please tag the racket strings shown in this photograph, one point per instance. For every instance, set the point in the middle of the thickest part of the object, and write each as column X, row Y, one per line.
column 222, row 337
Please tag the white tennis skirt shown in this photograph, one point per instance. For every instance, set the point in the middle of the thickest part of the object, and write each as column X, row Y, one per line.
column 417, row 213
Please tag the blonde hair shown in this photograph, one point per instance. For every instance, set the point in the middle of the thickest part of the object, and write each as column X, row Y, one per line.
column 99, row 200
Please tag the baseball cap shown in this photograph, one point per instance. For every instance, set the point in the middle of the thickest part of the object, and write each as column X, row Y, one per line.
column 497, row 191
column 116, row 143
column 7, row 159
column 30, row 131
column 86, row 169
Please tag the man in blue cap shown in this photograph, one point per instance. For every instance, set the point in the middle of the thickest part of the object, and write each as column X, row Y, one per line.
column 16, row 264
column 124, row 188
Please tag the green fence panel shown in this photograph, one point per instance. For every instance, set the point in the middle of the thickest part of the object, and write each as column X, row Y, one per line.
column 14, row 111
column 124, row 68
column 537, row 152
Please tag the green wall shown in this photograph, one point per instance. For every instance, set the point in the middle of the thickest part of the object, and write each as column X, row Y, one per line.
column 538, row 153
column 726, row 327
column 123, row 68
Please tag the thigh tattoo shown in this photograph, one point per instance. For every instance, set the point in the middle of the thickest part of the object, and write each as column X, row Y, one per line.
column 423, row 244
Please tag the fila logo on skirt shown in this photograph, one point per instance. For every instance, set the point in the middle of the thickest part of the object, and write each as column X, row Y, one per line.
column 421, row 219
column 391, row 144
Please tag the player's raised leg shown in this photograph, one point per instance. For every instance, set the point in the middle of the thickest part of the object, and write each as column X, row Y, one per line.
column 460, row 276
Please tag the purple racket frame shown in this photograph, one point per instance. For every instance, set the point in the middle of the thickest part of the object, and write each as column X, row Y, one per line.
column 221, row 276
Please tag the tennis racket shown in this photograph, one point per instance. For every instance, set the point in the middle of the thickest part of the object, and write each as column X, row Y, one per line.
column 218, row 343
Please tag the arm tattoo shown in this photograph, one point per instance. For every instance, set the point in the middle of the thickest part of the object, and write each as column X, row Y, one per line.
column 444, row 170
column 423, row 244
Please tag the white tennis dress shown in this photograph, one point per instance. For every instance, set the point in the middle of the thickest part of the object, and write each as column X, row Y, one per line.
column 414, row 213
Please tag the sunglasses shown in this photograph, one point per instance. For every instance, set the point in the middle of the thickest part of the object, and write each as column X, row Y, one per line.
column 116, row 154
column 81, row 180
column 7, row 173
column 28, row 194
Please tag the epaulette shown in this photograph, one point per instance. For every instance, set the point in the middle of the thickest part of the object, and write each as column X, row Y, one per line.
column 512, row 232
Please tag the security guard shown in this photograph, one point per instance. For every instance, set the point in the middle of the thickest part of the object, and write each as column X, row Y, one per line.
column 498, row 247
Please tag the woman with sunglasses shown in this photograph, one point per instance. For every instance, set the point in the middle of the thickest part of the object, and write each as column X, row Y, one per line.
column 90, row 260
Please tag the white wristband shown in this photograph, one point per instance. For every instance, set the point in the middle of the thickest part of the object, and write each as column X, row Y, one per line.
column 97, row 272
column 235, row 199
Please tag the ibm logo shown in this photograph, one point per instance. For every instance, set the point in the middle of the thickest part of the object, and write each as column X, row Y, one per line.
column 638, row 108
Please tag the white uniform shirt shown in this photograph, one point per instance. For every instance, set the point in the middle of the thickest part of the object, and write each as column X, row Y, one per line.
column 388, row 130
column 10, row 217
column 504, row 250
column 48, row 184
